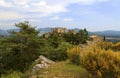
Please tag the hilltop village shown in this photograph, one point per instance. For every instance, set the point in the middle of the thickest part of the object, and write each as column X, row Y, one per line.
column 60, row 31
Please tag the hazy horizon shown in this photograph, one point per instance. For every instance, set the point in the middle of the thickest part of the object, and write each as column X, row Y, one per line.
column 63, row 27
column 94, row 15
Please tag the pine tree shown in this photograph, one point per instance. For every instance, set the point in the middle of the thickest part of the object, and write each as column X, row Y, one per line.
column 81, row 36
column 21, row 48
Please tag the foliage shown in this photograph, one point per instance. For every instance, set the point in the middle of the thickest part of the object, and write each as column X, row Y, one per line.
column 101, row 60
column 101, row 63
column 55, row 40
column 74, row 54
column 21, row 48
column 12, row 75
column 60, row 53
column 82, row 36
column 55, row 47
column 79, row 38
column 116, row 46
column 109, row 45
column 63, row 70
column 70, row 37
column 105, row 45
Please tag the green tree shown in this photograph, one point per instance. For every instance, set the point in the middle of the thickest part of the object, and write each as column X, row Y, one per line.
column 55, row 39
column 59, row 53
column 78, row 38
column 21, row 48
column 81, row 36
column 55, row 47
column 70, row 37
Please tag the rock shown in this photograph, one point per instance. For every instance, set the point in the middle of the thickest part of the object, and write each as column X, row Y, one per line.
column 46, row 60
column 37, row 67
column 44, row 63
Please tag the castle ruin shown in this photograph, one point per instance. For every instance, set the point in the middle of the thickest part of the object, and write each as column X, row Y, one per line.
column 58, row 30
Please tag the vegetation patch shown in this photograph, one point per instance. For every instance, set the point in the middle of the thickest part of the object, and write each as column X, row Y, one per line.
column 63, row 70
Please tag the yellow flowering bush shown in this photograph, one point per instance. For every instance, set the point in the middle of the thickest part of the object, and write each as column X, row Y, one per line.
column 73, row 54
column 101, row 63
column 101, row 60
column 109, row 45
column 116, row 46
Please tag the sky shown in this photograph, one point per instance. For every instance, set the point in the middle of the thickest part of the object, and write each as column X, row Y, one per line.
column 95, row 15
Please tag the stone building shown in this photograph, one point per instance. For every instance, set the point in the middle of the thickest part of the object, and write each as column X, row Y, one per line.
column 58, row 30
column 96, row 38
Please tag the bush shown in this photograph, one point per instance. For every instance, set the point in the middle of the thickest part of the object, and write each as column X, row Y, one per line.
column 109, row 45
column 73, row 55
column 57, row 55
column 60, row 53
column 116, row 46
column 101, row 63
column 105, row 45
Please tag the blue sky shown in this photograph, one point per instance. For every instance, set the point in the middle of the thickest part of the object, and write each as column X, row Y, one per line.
column 95, row 15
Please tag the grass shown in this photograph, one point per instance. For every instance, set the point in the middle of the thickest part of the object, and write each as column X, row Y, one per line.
column 13, row 75
column 57, row 70
column 62, row 70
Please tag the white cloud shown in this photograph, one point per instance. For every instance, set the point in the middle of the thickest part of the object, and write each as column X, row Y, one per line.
column 67, row 2
column 41, row 3
column 68, row 19
column 47, row 8
column 20, row 2
column 34, row 20
column 6, row 15
column 3, row 3
column 42, row 7
column 55, row 18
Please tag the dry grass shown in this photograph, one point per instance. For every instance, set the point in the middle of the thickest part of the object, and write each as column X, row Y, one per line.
column 63, row 70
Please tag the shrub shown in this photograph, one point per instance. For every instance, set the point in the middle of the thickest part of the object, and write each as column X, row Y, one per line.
column 116, row 46
column 105, row 45
column 109, row 45
column 101, row 63
column 60, row 53
column 73, row 54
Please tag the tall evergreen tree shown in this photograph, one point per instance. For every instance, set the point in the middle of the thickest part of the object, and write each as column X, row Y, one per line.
column 21, row 48
column 81, row 36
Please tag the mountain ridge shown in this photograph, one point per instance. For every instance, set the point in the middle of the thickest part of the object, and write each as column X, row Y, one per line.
column 48, row 29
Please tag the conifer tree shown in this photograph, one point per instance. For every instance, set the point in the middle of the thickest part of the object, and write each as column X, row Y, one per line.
column 20, row 48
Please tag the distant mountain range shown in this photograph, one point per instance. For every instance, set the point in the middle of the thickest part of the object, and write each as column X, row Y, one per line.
column 45, row 30
column 107, row 33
